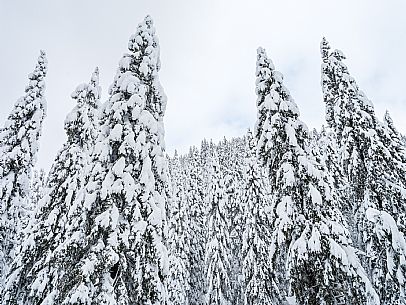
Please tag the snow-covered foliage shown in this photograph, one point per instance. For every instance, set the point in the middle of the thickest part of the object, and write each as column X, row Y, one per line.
column 19, row 140
column 178, row 237
column 218, row 239
column 195, row 191
column 311, row 250
column 371, row 160
column 259, row 284
column 231, row 154
column 122, row 226
column 37, row 273
column 387, row 230
column 37, row 187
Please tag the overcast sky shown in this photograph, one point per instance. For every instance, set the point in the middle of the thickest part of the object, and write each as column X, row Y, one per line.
column 208, row 53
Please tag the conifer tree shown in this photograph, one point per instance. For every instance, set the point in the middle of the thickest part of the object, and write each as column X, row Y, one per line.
column 259, row 285
column 234, row 211
column 373, row 171
column 350, row 114
column 19, row 140
column 308, row 233
column 231, row 166
column 124, row 257
column 178, row 239
column 217, row 246
column 35, row 274
column 206, row 152
column 197, row 230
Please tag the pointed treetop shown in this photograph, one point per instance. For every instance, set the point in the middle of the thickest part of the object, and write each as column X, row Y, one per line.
column 270, row 88
column 324, row 48
column 324, row 44
column 263, row 62
column 94, row 80
column 42, row 58
column 263, row 72
column 81, row 122
column 261, row 52
column 39, row 73
column 148, row 20
column 145, row 44
column 325, row 51
column 137, row 75
column 41, row 67
column 88, row 93
column 387, row 118
column 388, row 122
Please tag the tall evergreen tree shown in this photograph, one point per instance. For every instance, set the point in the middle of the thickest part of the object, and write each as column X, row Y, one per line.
column 197, row 230
column 234, row 210
column 18, row 154
column 231, row 164
column 124, row 256
column 217, row 246
column 36, row 274
column 178, row 239
column 259, row 284
column 308, row 233
column 350, row 114
column 373, row 171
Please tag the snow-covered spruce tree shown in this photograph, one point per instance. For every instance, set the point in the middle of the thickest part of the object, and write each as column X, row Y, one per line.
column 373, row 171
column 206, row 151
column 197, row 229
column 178, row 236
column 386, row 210
column 308, row 233
column 35, row 275
column 350, row 114
column 217, row 246
column 233, row 184
column 18, row 154
column 232, row 170
column 258, row 285
column 124, row 258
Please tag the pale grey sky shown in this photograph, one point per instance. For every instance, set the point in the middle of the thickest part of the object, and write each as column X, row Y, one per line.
column 208, row 53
